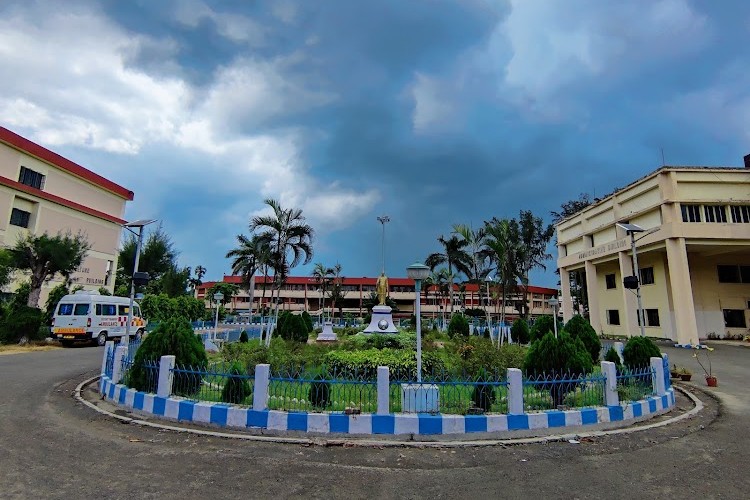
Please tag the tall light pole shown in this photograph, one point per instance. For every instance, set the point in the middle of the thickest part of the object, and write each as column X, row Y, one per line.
column 553, row 302
column 418, row 272
column 634, row 282
column 140, row 224
column 383, row 219
column 489, row 279
column 218, row 296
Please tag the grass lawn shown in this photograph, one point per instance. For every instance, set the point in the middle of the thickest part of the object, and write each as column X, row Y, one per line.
column 33, row 347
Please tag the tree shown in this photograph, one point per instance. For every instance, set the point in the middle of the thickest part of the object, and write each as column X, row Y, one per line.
column 322, row 276
column 158, row 256
column 571, row 207
column 477, row 252
column 173, row 282
column 228, row 289
column 454, row 256
column 46, row 256
column 6, row 267
column 502, row 245
column 336, row 293
column 289, row 238
column 53, row 299
column 198, row 272
column 248, row 257
column 533, row 238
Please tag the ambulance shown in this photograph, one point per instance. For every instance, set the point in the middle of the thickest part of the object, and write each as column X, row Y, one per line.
column 87, row 316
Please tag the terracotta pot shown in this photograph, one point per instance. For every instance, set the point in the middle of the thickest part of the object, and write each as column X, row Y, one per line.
column 674, row 375
column 712, row 381
column 686, row 377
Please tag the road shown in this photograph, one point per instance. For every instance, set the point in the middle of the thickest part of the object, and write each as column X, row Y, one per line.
column 53, row 447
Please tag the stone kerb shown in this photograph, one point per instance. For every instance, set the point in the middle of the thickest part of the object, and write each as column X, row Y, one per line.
column 383, row 422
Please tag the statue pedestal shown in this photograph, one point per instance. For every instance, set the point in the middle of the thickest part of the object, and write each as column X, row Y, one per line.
column 382, row 321
column 327, row 335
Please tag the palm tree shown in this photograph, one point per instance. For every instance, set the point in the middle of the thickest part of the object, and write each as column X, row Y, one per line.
column 503, row 246
column 322, row 276
column 251, row 254
column 477, row 251
column 289, row 240
column 454, row 256
column 336, row 293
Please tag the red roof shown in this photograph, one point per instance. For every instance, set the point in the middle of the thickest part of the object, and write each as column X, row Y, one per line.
column 34, row 149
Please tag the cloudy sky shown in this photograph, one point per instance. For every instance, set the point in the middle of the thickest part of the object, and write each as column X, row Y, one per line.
column 433, row 112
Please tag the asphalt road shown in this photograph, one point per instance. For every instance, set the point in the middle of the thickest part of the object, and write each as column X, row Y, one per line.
column 53, row 447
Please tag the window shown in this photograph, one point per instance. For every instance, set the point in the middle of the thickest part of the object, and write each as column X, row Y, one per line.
column 538, row 304
column 65, row 309
column 652, row 317
column 81, row 310
column 647, row 276
column 610, row 279
column 733, row 274
column 106, row 310
column 137, row 311
column 740, row 213
column 613, row 317
column 715, row 213
column 122, row 310
column 108, row 273
column 31, row 178
column 691, row 213
column 734, row 318
column 20, row 218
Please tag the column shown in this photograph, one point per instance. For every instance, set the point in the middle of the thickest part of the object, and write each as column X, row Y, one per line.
column 682, row 292
column 629, row 313
column 567, row 299
column 609, row 370
column 592, row 291
column 383, row 390
column 166, row 376
column 260, row 390
column 515, row 391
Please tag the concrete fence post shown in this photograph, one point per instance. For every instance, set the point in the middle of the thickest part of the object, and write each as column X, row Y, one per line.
column 120, row 353
column 108, row 348
column 384, row 400
column 260, row 392
column 515, row 391
column 620, row 347
column 657, row 364
column 667, row 378
column 611, row 397
column 166, row 376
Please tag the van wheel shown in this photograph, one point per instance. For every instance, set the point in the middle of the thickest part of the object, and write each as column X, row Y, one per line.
column 101, row 339
column 138, row 335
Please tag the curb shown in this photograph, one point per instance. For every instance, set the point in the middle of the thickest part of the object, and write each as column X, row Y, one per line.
column 365, row 442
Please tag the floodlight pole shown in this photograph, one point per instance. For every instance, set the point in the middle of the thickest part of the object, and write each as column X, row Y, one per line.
column 132, row 284
column 637, row 274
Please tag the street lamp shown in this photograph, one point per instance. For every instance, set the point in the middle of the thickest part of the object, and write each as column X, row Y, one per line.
column 634, row 282
column 218, row 296
column 553, row 302
column 489, row 280
column 418, row 272
column 383, row 219
column 137, row 278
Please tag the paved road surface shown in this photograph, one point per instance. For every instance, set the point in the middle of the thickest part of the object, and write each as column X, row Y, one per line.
column 52, row 447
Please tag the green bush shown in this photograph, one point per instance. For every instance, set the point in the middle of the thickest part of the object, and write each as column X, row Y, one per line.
column 479, row 356
column 579, row 328
column 381, row 341
column 237, row 388
column 308, row 321
column 638, row 352
column 542, row 325
column 243, row 337
column 21, row 321
column 483, row 396
column 172, row 337
column 519, row 332
column 54, row 297
column 292, row 327
column 612, row 356
column 458, row 326
column 364, row 363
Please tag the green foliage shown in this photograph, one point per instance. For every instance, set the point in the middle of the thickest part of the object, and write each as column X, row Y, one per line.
column 173, row 336
column 478, row 356
column 319, row 393
column 292, row 327
column 243, row 337
column 458, row 326
column 561, row 355
column 381, row 341
column 365, row 363
column 161, row 307
column 638, row 352
column 7, row 267
column 612, row 356
column 104, row 291
column 21, row 295
column 54, row 297
column 237, row 388
column 228, row 289
column 157, row 257
column 475, row 313
column 21, row 323
column 519, row 331
column 308, row 321
column 173, row 282
column 542, row 325
column 483, row 396
column 579, row 328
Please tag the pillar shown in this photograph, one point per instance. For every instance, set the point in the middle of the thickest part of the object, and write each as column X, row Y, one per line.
column 657, row 364
column 166, row 376
column 682, row 292
column 120, row 353
column 515, row 391
column 592, row 293
column 567, row 298
column 383, row 390
column 609, row 370
column 260, row 390
column 108, row 348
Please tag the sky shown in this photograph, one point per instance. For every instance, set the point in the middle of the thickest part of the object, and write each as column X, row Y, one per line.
column 433, row 112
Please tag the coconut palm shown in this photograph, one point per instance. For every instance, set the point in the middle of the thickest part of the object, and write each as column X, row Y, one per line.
column 504, row 249
column 251, row 255
column 322, row 277
column 476, row 250
column 289, row 240
column 454, row 256
column 336, row 293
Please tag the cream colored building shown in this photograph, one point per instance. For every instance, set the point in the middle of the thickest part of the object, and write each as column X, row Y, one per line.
column 40, row 191
column 694, row 257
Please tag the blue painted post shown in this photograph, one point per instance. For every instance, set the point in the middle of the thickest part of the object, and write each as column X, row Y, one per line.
column 120, row 353
column 108, row 347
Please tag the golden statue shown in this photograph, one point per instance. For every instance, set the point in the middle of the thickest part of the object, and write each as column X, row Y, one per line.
column 381, row 287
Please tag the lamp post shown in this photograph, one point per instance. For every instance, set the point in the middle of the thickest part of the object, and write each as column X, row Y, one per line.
column 635, row 281
column 383, row 219
column 140, row 224
column 489, row 280
column 418, row 272
column 218, row 296
column 553, row 302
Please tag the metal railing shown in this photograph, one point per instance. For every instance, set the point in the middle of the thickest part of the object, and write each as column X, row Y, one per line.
column 559, row 391
column 634, row 384
column 219, row 382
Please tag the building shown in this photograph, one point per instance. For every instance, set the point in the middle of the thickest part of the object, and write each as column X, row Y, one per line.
column 40, row 191
column 694, row 256
column 303, row 293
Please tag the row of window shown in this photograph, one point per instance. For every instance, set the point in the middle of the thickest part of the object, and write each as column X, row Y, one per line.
column 733, row 274
column 646, row 277
column 652, row 317
column 101, row 310
column 715, row 213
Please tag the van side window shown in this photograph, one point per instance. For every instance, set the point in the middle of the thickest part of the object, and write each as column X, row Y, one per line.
column 65, row 309
column 81, row 310
column 137, row 311
column 123, row 310
column 107, row 309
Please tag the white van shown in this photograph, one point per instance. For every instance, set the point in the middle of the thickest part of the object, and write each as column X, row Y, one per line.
column 87, row 315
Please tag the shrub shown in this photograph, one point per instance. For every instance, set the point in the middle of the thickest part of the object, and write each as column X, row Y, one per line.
column 480, row 357
column 319, row 393
column 458, row 326
column 21, row 321
column 579, row 328
column 542, row 325
column 243, row 337
column 292, row 327
column 638, row 352
column 364, row 363
column 483, row 396
column 519, row 332
column 237, row 388
column 308, row 321
column 172, row 337
column 382, row 341
column 612, row 356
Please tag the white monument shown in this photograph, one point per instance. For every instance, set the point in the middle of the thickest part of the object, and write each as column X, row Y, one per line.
column 327, row 335
column 382, row 321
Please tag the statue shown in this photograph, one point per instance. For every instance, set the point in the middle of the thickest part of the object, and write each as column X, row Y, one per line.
column 381, row 287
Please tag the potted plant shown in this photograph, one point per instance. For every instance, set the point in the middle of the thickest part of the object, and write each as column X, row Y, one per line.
column 685, row 374
column 674, row 372
column 711, row 380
